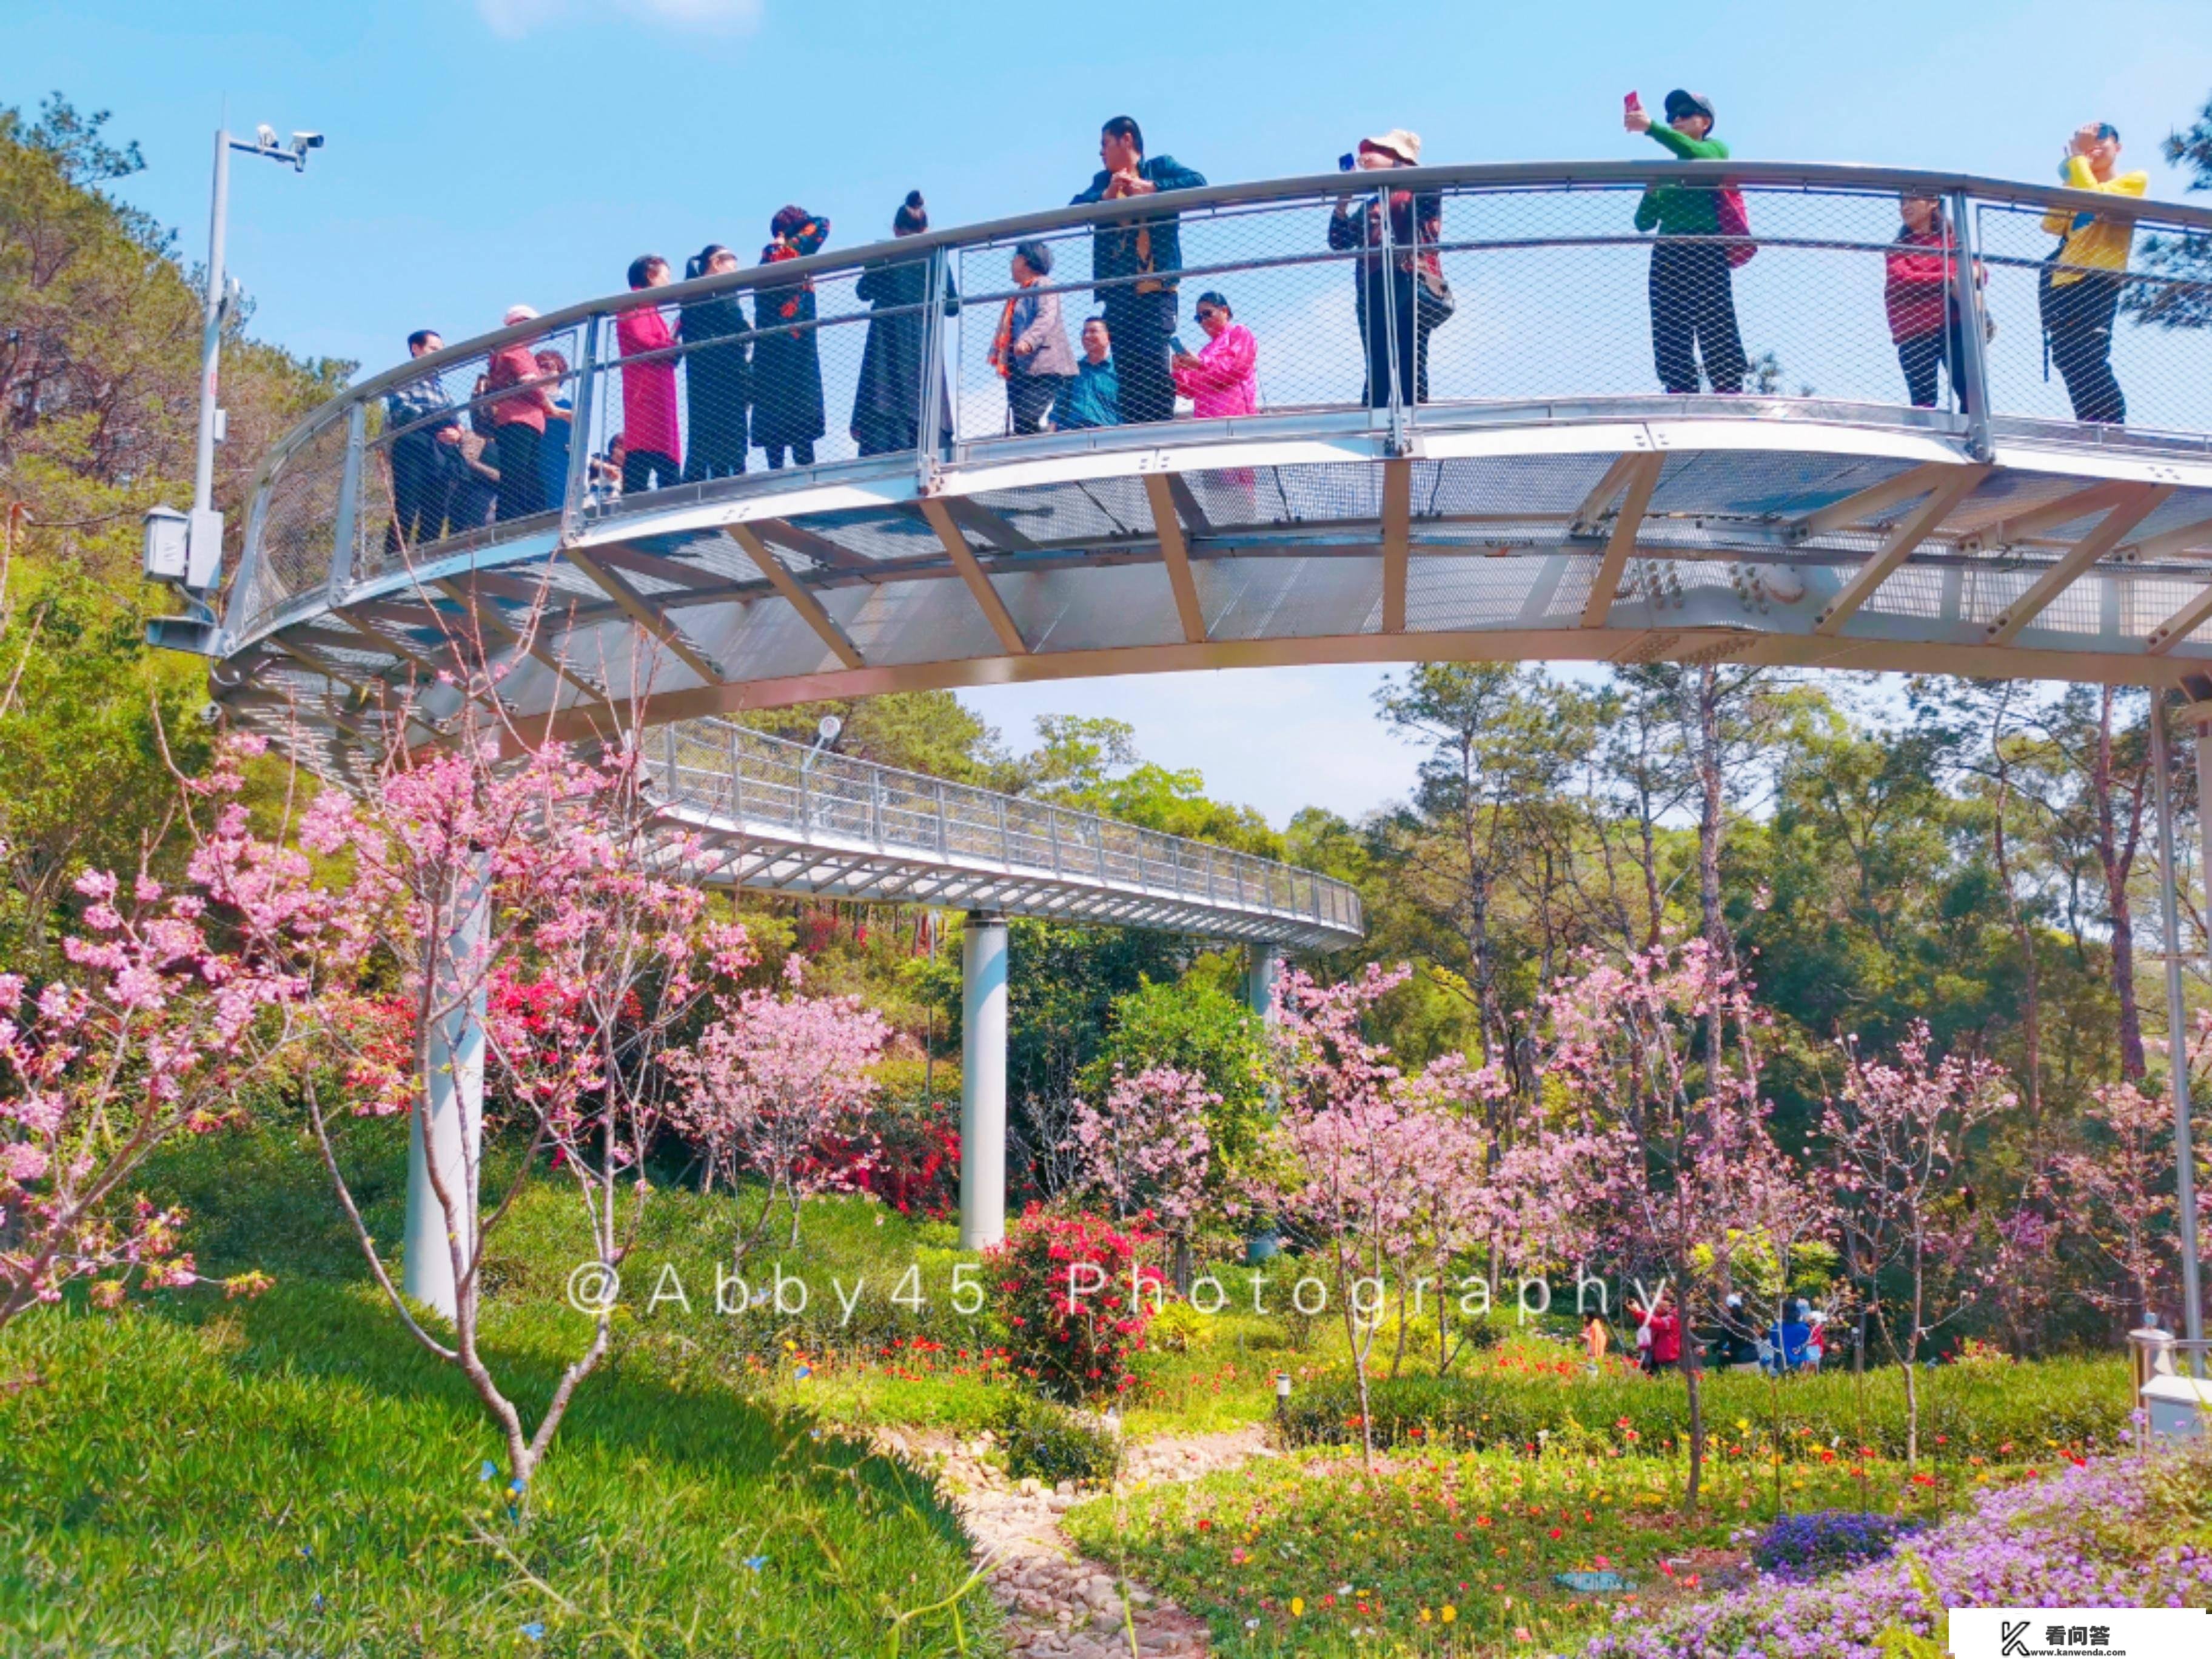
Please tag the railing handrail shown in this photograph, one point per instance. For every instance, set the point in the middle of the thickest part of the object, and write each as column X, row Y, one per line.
column 732, row 739
column 1846, row 176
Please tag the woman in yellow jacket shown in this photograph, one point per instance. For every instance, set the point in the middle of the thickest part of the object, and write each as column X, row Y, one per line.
column 2084, row 274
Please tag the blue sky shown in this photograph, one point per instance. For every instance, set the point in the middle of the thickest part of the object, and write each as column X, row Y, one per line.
column 486, row 151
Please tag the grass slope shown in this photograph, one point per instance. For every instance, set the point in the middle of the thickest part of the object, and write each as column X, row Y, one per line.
column 291, row 1475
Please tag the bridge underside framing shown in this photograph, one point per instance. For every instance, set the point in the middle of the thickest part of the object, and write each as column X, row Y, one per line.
column 1756, row 535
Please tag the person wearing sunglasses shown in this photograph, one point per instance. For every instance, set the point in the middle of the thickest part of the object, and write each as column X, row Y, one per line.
column 1221, row 378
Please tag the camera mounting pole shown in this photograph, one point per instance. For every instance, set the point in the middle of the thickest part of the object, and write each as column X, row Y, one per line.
column 189, row 556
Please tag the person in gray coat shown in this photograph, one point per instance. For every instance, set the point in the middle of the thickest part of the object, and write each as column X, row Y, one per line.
column 1030, row 348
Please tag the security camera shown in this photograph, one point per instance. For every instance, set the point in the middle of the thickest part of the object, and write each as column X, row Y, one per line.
column 307, row 141
column 266, row 136
column 210, row 714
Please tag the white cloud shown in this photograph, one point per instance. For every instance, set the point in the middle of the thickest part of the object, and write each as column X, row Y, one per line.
column 512, row 18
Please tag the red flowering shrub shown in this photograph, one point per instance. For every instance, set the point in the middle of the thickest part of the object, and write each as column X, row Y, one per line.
column 1075, row 1296
column 912, row 1159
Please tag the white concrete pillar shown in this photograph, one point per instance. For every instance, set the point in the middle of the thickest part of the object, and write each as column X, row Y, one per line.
column 1260, row 979
column 983, row 1081
column 1265, row 1243
column 450, row 1128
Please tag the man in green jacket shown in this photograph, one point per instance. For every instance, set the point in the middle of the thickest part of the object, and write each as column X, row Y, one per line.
column 1692, row 293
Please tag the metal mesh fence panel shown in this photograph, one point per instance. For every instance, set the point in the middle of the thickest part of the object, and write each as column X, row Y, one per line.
column 1558, row 294
column 1228, row 330
column 452, row 460
column 298, row 527
column 2076, row 342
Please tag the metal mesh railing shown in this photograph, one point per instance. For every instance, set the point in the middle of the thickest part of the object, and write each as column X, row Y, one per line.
column 1410, row 300
column 753, row 783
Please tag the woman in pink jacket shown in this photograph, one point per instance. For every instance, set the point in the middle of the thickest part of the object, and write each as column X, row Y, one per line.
column 1221, row 380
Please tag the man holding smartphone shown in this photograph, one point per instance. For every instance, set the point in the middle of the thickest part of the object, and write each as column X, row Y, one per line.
column 1136, row 262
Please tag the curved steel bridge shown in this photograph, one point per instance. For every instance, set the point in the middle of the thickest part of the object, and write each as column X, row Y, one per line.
column 1536, row 495
column 778, row 817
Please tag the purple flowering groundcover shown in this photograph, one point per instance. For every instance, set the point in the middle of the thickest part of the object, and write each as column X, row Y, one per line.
column 2118, row 1532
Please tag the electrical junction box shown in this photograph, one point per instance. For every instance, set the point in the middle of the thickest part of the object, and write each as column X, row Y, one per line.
column 169, row 545
column 2177, row 1407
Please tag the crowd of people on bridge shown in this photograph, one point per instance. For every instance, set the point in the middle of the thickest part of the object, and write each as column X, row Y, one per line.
column 754, row 381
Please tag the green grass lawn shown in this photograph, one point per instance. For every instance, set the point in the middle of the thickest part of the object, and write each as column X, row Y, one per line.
column 292, row 1475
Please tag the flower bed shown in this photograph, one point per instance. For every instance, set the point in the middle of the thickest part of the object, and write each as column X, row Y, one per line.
column 2115, row 1533
column 1513, row 1400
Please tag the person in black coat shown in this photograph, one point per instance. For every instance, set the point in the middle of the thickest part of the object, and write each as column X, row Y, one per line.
column 786, row 356
column 887, row 406
column 718, row 379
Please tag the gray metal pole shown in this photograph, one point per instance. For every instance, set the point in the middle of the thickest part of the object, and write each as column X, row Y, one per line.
column 2177, row 1030
column 2185, row 1152
column 450, row 1125
column 1971, row 377
column 211, row 329
column 983, row 1081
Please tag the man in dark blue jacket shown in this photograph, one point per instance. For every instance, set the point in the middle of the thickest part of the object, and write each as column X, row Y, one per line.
column 1136, row 262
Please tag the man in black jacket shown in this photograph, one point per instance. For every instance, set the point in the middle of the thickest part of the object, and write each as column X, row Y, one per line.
column 1136, row 262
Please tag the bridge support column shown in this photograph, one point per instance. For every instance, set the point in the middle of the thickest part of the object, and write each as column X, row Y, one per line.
column 1260, row 979
column 983, row 1081
column 449, row 1125
column 1266, row 967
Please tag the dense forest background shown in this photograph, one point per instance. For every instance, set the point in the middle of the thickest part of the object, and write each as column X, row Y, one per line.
column 1870, row 852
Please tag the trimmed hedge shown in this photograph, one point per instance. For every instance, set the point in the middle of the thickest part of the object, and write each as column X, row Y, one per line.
column 2017, row 1412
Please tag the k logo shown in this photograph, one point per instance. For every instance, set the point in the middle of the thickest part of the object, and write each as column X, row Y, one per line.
column 2015, row 1639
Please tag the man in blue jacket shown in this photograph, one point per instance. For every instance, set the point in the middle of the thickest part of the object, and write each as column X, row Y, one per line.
column 1136, row 261
column 1092, row 397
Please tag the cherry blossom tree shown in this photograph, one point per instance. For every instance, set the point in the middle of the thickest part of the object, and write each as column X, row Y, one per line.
column 1659, row 1056
column 772, row 1079
column 175, row 1005
column 2116, row 1195
column 539, row 885
column 1149, row 1151
column 1372, row 1162
column 1894, row 1141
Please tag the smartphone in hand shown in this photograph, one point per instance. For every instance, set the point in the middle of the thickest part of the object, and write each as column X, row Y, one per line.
column 1631, row 104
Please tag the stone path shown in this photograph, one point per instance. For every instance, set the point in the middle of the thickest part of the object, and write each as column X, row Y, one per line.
column 1061, row 1605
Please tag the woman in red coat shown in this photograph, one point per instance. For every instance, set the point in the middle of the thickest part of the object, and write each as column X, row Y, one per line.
column 649, row 429
column 1922, row 298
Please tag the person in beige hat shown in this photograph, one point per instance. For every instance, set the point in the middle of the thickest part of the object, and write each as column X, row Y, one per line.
column 1399, row 284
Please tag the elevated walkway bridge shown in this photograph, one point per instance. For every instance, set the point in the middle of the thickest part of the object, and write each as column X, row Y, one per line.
column 1468, row 435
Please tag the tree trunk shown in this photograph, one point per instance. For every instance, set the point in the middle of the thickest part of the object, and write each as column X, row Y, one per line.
column 2115, row 859
column 2031, row 970
column 1712, row 801
column 1695, row 1379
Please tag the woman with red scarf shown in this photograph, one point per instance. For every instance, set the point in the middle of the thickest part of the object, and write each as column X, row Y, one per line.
column 786, row 357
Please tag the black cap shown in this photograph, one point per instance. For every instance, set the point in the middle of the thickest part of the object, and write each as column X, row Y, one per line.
column 1680, row 103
